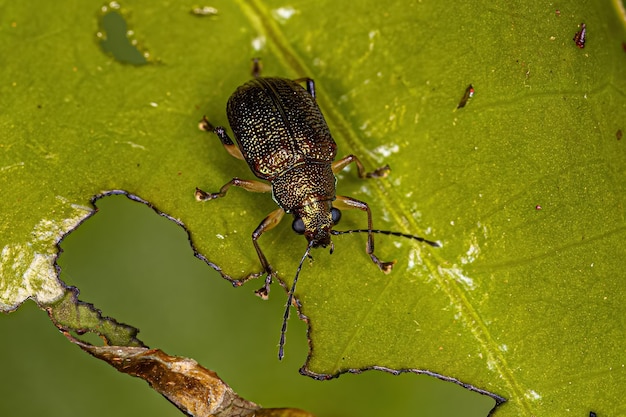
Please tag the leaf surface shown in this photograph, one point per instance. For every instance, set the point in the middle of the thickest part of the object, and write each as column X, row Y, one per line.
column 524, row 186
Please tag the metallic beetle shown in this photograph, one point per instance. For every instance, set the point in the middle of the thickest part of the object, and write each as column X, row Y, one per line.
column 282, row 135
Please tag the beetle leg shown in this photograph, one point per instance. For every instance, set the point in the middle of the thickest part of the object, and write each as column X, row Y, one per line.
column 257, row 68
column 248, row 185
column 343, row 202
column 268, row 223
column 347, row 160
column 227, row 142
column 310, row 85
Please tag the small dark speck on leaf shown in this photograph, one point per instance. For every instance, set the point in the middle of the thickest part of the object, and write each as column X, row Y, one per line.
column 624, row 46
column 469, row 93
column 619, row 134
column 538, row 207
column 592, row 414
column 581, row 36
column 557, row 12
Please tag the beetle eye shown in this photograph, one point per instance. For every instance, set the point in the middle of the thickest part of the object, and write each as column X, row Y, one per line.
column 298, row 225
column 335, row 215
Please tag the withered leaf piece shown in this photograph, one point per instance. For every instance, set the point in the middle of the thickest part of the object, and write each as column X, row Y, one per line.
column 195, row 390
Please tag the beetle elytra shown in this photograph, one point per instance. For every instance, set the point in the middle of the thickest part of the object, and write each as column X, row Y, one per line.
column 283, row 136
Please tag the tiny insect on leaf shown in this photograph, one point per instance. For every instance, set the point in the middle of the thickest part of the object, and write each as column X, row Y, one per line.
column 469, row 93
column 581, row 36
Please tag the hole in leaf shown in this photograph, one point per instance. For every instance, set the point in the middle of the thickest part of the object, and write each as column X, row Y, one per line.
column 138, row 267
column 117, row 39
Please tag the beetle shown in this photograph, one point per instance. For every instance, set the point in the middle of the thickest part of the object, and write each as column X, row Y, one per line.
column 283, row 136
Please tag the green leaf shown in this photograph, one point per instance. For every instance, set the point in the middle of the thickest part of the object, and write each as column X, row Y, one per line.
column 524, row 186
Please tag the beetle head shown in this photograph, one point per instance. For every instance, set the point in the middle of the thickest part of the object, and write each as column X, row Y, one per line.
column 315, row 221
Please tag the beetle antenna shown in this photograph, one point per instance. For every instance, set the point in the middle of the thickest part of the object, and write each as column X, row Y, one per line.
column 387, row 232
column 281, row 344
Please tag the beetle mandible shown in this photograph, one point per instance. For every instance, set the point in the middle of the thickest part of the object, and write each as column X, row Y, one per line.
column 283, row 136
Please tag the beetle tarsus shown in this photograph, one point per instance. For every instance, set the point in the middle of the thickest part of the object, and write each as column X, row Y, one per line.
column 264, row 291
column 386, row 267
column 206, row 125
column 204, row 196
column 257, row 68
column 381, row 172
